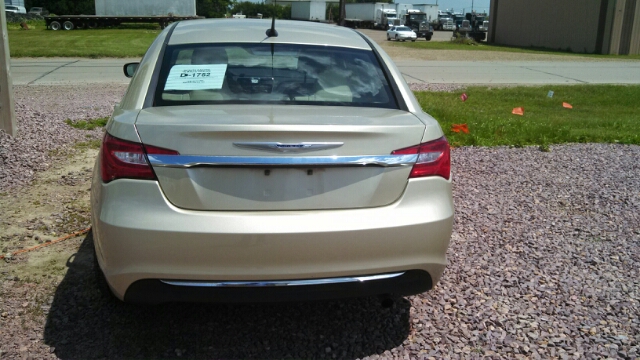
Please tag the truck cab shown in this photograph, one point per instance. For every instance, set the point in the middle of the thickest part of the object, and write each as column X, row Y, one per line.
column 387, row 18
column 417, row 21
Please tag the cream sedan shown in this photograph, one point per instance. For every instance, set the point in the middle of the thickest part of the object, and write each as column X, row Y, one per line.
column 256, row 162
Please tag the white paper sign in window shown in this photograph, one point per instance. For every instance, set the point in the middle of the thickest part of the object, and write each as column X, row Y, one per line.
column 196, row 77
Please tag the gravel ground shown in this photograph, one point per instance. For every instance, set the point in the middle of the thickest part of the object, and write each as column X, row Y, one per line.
column 544, row 263
column 42, row 133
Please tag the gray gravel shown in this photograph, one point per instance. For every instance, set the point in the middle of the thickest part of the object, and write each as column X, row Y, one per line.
column 545, row 262
column 42, row 133
column 435, row 87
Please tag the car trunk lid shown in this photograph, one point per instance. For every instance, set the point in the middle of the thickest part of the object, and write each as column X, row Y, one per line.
column 254, row 158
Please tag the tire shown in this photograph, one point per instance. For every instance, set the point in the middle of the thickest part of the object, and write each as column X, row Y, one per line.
column 396, row 37
column 428, row 38
column 81, row 26
column 92, row 24
column 68, row 25
column 413, row 41
column 54, row 25
column 388, row 38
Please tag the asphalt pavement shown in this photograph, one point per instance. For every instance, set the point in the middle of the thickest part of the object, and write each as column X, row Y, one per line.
column 69, row 71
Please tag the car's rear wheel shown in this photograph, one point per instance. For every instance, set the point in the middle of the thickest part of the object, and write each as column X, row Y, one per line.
column 396, row 37
column 68, row 25
column 54, row 25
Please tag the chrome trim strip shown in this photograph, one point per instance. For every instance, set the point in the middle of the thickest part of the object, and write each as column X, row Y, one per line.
column 278, row 283
column 288, row 147
column 188, row 161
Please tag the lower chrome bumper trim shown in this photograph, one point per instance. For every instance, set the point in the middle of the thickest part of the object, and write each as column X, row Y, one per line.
column 337, row 280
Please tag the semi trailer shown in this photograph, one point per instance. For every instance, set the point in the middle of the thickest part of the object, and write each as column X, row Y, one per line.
column 116, row 12
column 370, row 15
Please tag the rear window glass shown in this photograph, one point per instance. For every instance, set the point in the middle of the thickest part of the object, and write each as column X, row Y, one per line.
column 277, row 74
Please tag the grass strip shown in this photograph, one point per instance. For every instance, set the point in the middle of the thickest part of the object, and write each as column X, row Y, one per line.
column 90, row 43
column 88, row 124
column 600, row 114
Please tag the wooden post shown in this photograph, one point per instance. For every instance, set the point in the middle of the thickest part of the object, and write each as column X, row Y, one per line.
column 7, row 110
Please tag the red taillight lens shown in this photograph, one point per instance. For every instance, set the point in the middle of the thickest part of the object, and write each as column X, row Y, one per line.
column 434, row 158
column 126, row 159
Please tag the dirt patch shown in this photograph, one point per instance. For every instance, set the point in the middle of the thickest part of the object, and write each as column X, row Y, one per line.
column 57, row 203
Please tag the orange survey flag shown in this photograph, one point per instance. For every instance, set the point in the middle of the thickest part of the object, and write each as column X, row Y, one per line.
column 460, row 127
column 518, row 111
column 464, row 97
column 567, row 105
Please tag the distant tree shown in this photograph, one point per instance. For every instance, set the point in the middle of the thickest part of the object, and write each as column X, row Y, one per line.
column 65, row 7
column 212, row 8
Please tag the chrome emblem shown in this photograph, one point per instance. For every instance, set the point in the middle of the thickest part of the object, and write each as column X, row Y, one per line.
column 288, row 147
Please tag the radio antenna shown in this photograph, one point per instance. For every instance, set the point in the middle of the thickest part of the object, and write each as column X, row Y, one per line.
column 272, row 32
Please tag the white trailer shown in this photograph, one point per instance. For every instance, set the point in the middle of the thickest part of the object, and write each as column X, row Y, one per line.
column 14, row 2
column 369, row 15
column 145, row 7
column 309, row 10
column 116, row 12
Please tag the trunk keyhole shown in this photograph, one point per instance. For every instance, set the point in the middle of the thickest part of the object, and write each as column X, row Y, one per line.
column 309, row 172
column 267, row 172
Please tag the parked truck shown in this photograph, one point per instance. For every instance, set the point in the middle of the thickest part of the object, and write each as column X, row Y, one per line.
column 474, row 26
column 417, row 21
column 116, row 12
column 445, row 21
column 370, row 15
column 431, row 10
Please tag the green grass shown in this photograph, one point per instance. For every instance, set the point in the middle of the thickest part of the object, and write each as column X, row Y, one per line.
column 601, row 114
column 96, row 43
column 91, row 144
column 87, row 124
column 483, row 46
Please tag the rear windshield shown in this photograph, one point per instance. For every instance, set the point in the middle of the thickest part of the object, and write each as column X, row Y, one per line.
column 272, row 74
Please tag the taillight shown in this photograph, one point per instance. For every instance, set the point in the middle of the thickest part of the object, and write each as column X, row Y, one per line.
column 434, row 158
column 126, row 159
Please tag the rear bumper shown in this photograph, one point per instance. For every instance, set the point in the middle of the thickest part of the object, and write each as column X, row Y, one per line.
column 157, row 291
column 141, row 238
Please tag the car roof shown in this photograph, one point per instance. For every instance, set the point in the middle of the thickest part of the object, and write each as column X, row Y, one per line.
column 253, row 31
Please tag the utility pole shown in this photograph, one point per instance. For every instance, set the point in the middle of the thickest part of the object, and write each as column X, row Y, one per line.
column 342, row 13
column 7, row 109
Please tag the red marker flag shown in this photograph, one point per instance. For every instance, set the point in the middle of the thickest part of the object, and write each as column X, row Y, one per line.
column 567, row 105
column 460, row 127
column 464, row 97
column 518, row 111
